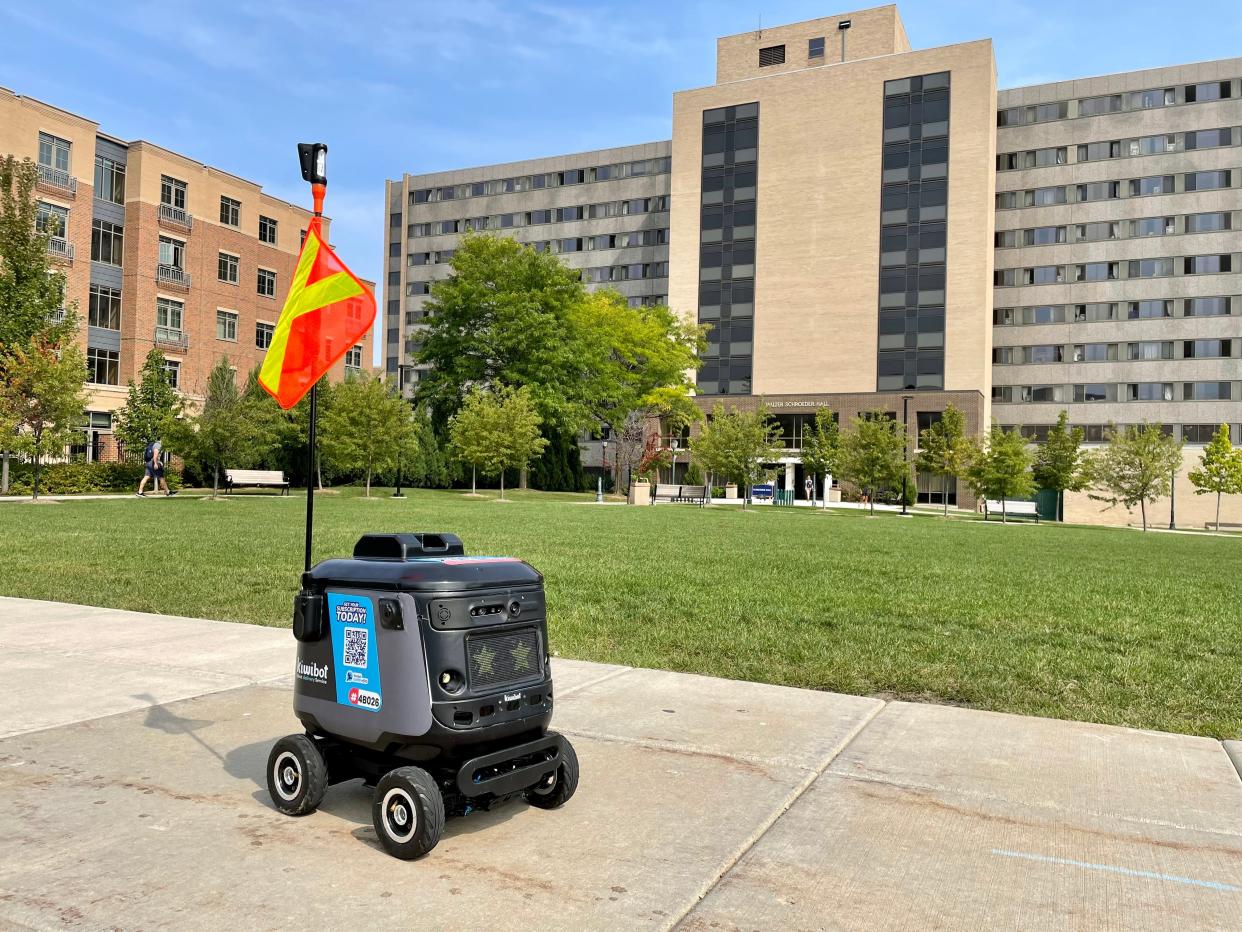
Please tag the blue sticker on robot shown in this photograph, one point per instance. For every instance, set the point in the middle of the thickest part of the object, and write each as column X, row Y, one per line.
column 353, row 647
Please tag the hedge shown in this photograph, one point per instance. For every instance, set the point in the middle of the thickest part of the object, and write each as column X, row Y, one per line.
column 74, row 478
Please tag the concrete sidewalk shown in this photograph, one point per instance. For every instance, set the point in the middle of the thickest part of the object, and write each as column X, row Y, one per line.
column 132, row 750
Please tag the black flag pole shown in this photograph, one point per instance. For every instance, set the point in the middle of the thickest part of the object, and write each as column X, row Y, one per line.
column 313, row 157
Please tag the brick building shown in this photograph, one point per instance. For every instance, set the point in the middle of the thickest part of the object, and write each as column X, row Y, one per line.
column 159, row 250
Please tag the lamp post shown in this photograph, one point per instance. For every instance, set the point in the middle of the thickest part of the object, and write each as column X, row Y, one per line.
column 599, row 488
column 672, row 478
column 401, row 367
column 905, row 448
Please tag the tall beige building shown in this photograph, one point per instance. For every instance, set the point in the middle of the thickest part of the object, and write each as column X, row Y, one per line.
column 874, row 227
column 159, row 251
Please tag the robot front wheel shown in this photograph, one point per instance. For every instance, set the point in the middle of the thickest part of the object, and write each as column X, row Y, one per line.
column 408, row 812
column 297, row 776
column 554, row 791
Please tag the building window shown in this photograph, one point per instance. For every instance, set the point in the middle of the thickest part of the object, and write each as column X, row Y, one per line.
column 172, row 192
column 104, row 308
column 107, row 241
column 1206, row 265
column 172, row 372
column 353, row 357
column 1149, row 391
column 1208, row 223
column 815, row 47
column 1211, row 90
column 52, row 219
column 263, row 334
column 172, row 253
column 267, row 230
column 1150, row 349
column 230, row 211
column 227, row 268
column 1217, row 306
column 1207, row 349
column 267, row 283
column 302, row 238
column 54, row 152
column 109, row 180
column 1157, row 184
column 1207, row 181
column 168, row 315
column 226, row 325
column 1206, row 391
column 772, row 55
column 1209, row 138
column 103, row 366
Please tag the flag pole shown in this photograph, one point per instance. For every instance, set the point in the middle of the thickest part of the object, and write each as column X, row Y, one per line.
column 313, row 158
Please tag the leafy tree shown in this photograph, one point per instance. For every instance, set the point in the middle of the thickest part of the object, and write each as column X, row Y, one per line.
column 1060, row 463
column 429, row 467
column 219, row 435
column 366, row 424
column 503, row 318
column 42, row 392
column 1000, row 469
column 735, row 445
column 32, row 287
column 1220, row 469
column 1136, row 466
column 873, row 454
column 150, row 409
column 944, row 449
column 495, row 431
column 821, row 448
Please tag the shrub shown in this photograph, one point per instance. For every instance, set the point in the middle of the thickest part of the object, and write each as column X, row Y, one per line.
column 81, row 478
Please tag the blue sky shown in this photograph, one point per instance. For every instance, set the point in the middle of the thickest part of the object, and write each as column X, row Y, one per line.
column 426, row 86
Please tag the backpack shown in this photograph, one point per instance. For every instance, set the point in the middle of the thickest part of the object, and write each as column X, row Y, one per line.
column 149, row 454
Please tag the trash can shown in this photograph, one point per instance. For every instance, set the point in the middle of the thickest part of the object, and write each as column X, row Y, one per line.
column 425, row 672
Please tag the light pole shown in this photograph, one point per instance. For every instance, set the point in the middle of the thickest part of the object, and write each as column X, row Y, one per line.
column 672, row 478
column 599, row 489
column 905, row 448
column 401, row 367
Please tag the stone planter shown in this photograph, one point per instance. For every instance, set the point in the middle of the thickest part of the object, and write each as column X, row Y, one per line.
column 640, row 492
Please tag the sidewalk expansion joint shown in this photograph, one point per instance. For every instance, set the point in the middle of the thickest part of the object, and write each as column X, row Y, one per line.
column 611, row 674
column 806, row 783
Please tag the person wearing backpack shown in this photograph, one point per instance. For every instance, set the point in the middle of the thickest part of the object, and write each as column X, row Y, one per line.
column 152, row 456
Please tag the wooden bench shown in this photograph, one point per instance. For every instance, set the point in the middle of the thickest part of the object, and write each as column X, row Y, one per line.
column 680, row 493
column 1018, row 509
column 259, row 478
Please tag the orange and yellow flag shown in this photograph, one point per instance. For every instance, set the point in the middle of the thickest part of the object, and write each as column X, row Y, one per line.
column 327, row 312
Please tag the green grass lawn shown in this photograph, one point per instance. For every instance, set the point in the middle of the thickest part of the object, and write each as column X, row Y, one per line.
column 1087, row 623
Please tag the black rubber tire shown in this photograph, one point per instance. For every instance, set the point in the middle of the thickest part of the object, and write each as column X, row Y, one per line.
column 563, row 785
column 408, row 812
column 297, row 775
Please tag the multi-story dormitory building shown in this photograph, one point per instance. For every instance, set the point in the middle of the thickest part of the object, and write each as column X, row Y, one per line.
column 158, row 251
column 870, row 226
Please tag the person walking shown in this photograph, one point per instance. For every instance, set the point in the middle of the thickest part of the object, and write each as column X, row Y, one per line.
column 153, row 457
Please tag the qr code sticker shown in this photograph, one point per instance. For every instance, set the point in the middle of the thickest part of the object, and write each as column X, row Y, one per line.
column 356, row 647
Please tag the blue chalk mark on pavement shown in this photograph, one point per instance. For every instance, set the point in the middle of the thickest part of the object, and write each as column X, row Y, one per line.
column 1111, row 869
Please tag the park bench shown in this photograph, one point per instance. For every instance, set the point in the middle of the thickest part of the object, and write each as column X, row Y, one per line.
column 680, row 493
column 264, row 478
column 1018, row 509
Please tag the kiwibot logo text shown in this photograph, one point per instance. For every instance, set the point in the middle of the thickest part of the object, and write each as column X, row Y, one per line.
column 313, row 672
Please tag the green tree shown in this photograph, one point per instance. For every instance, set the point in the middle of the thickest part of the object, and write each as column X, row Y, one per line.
column 944, row 449
column 429, row 466
column 1220, row 469
column 821, row 449
column 219, row 435
column 504, row 318
column 1060, row 462
column 735, row 445
column 32, row 287
column 365, row 425
column 1136, row 466
column 150, row 408
column 42, row 393
column 495, row 431
column 873, row 454
column 1000, row 469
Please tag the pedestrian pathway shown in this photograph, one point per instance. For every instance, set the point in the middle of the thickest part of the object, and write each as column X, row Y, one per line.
column 133, row 748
